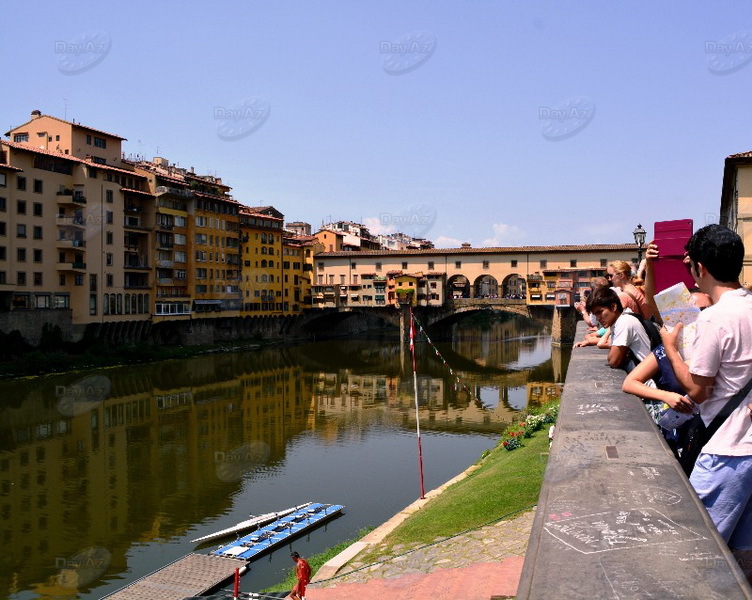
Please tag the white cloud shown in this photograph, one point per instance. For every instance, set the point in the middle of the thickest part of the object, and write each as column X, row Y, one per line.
column 377, row 226
column 504, row 235
column 446, row 242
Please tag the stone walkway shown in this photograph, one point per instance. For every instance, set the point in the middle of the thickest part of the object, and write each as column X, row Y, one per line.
column 461, row 561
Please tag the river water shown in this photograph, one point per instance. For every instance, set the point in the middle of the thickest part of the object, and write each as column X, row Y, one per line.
column 107, row 475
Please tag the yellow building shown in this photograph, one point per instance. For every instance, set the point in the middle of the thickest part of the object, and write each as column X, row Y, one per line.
column 262, row 281
column 736, row 205
column 297, row 263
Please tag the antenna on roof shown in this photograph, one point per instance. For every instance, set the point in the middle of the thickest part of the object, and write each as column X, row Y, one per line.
column 65, row 109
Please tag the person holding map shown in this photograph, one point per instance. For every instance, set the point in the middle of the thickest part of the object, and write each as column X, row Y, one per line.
column 718, row 372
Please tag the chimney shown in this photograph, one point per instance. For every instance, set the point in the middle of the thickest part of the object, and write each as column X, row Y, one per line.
column 466, row 245
column 35, row 114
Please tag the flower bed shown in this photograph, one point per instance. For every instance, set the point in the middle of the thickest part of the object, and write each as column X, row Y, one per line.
column 527, row 424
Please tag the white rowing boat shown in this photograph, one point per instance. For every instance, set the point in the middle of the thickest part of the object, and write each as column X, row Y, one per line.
column 249, row 524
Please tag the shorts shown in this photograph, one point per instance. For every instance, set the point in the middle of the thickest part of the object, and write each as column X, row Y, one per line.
column 724, row 484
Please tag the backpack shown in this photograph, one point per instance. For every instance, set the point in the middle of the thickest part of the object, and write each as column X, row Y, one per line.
column 651, row 329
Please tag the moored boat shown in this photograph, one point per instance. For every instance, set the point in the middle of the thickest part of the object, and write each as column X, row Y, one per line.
column 249, row 524
column 252, row 545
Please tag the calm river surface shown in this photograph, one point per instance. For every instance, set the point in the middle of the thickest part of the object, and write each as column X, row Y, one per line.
column 107, row 475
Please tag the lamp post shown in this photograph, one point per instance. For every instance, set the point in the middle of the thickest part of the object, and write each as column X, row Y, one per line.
column 639, row 239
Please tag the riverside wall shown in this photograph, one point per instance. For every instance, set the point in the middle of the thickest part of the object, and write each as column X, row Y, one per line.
column 616, row 516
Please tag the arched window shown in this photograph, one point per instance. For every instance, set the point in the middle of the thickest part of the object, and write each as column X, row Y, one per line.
column 128, row 304
column 263, row 278
column 106, row 305
column 263, row 264
column 120, row 304
column 263, row 250
column 112, row 304
column 146, row 303
column 140, row 303
column 271, row 263
column 263, row 238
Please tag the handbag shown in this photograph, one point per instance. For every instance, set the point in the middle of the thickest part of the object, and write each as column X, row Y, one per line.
column 693, row 435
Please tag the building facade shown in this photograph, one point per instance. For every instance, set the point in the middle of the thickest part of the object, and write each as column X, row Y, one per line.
column 458, row 273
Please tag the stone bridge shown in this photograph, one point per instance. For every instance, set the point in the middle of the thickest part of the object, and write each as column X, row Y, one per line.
column 339, row 321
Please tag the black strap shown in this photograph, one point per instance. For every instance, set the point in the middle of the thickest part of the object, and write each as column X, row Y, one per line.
column 726, row 411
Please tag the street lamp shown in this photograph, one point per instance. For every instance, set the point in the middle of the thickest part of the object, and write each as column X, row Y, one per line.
column 639, row 239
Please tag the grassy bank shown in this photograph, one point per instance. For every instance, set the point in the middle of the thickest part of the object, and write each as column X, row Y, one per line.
column 505, row 482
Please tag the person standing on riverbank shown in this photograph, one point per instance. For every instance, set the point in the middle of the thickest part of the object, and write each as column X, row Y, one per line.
column 303, row 573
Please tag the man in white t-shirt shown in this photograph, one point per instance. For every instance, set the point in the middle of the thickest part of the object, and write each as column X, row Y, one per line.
column 627, row 333
column 721, row 365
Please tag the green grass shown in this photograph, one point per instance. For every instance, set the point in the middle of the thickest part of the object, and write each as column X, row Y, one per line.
column 317, row 561
column 504, row 483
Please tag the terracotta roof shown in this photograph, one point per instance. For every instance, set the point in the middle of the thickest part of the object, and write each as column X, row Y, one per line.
column 68, row 157
column 10, row 167
column 251, row 211
column 216, row 197
column 741, row 155
column 137, row 192
column 207, row 179
column 490, row 250
column 79, row 125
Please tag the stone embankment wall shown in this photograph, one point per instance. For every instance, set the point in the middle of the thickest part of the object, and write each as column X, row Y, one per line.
column 31, row 324
column 616, row 517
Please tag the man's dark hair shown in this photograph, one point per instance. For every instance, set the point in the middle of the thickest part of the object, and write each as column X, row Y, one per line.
column 604, row 297
column 294, row 555
column 720, row 250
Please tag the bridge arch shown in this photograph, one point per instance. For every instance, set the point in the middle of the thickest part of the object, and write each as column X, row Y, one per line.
column 486, row 286
column 513, row 286
column 458, row 286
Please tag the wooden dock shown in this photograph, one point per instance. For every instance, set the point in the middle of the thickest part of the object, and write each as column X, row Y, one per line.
column 192, row 575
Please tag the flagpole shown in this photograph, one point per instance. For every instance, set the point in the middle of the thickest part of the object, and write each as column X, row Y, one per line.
column 417, row 417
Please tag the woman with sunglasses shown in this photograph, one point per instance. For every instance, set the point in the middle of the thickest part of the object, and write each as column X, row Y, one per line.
column 619, row 273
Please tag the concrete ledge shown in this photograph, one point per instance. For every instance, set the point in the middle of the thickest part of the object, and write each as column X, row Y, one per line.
column 334, row 565
column 616, row 516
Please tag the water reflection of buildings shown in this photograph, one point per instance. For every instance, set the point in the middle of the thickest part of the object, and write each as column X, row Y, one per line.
column 442, row 404
column 140, row 466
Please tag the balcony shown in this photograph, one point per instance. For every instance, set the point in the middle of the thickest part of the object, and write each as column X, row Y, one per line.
column 173, row 293
column 137, row 265
column 69, row 243
column 134, row 223
column 165, row 281
column 72, row 266
column 70, row 197
column 166, row 226
column 63, row 221
column 165, row 264
column 132, row 208
column 165, row 244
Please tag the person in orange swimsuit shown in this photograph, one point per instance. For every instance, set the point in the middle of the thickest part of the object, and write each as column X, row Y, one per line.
column 303, row 573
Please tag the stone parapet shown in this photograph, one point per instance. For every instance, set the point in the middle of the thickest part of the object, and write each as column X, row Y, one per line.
column 616, row 517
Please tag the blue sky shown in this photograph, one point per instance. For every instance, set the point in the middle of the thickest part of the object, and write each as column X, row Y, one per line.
column 494, row 123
